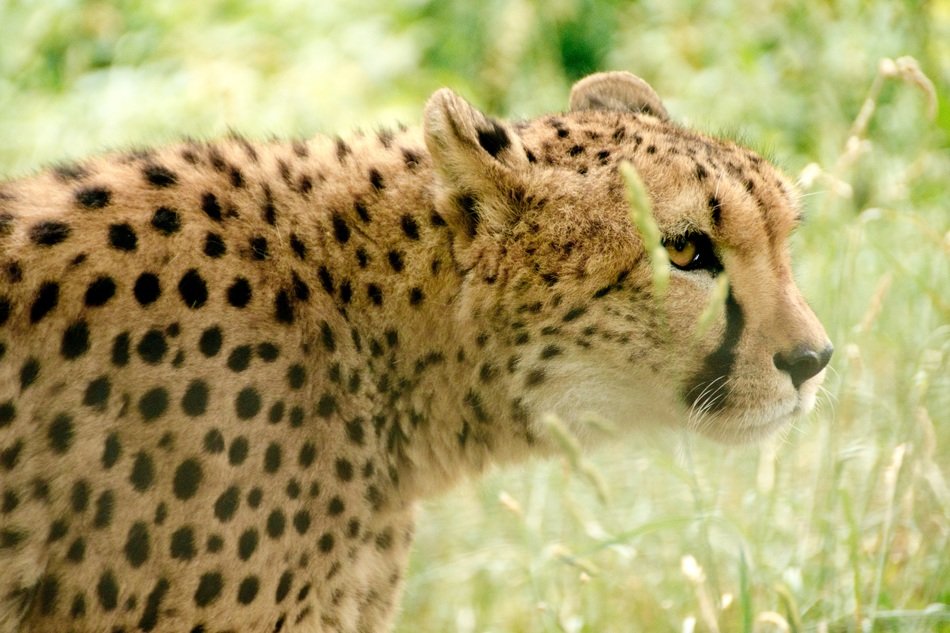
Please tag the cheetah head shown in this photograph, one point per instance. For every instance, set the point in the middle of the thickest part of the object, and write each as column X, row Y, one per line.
column 556, row 271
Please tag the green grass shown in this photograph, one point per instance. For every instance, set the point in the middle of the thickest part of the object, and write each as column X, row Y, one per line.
column 842, row 525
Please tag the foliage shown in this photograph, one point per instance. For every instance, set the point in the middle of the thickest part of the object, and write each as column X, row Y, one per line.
column 843, row 525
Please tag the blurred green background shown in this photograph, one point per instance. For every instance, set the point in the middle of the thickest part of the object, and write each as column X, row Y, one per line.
column 841, row 525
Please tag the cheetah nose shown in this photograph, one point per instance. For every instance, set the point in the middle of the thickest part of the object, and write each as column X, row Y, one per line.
column 803, row 362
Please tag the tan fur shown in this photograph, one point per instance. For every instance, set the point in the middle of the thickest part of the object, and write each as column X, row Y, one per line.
column 344, row 327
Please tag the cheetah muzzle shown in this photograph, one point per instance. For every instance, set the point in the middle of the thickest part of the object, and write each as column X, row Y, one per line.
column 228, row 370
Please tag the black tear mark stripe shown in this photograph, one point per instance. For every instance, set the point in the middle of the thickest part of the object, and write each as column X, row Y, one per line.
column 706, row 389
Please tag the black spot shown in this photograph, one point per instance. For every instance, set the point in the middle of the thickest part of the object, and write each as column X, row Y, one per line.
column 247, row 590
column 152, row 347
column 308, row 453
column 395, row 260
column 61, row 433
column 254, row 497
column 49, row 233
column 346, row 291
column 276, row 413
column 195, row 400
column 159, row 176
column 215, row 543
column 137, row 544
column 93, row 197
column 143, row 472
column 248, row 403
column 283, row 586
column 10, row 501
column 147, row 289
column 29, row 372
column 574, row 313
column 183, row 543
column 296, row 417
column 375, row 294
column 344, row 470
column 410, row 227
column 240, row 358
column 715, row 206
column 327, row 405
column 210, row 341
column 268, row 352
column 550, row 351
column 193, row 289
column 75, row 341
column 283, row 309
column 187, row 479
column 7, row 413
column 238, row 451
column 301, row 289
column 495, row 139
column 361, row 211
column 111, row 450
column 57, row 530
column 236, row 177
column 122, row 237
column 335, row 507
column 326, row 335
column 214, row 245
column 107, row 589
column 153, row 403
column 211, row 207
column 362, row 257
column 209, row 588
column 213, row 442
column 416, row 296
column 239, row 293
column 302, row 521
column 166, row 221
column 259, row 249
column 340, row 229
column 105, row 505
column 376, row 179
column 153, row 602
column 296, row 376
column 79, row 497
column 535, row 377
column 46, row 299
column 326, row 543
column 272, row 458
column 78, row 608
column 473, row 400
column 99, row 292
column 77, row 551
column 468, row 204
column 247, row 543
column 227, row 504
column 276, row 523
column 299, row 248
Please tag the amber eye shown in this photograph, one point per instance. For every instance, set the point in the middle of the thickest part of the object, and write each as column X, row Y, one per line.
column 692, row 251
column 682, row 251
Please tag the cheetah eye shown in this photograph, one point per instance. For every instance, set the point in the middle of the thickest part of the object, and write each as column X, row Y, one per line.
column 692, row 251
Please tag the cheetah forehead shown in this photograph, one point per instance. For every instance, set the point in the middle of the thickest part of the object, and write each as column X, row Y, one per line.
column 717, row 179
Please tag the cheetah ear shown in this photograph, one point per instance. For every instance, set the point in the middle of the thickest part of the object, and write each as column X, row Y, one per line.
column 618, row 91
column 480, row 161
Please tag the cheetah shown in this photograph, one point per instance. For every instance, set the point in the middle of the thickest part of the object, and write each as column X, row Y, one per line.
column 228, row 370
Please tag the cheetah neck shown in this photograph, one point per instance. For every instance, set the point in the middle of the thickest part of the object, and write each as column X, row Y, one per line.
column 436, row 384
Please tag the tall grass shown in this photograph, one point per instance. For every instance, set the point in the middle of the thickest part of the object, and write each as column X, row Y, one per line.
column 841, row 525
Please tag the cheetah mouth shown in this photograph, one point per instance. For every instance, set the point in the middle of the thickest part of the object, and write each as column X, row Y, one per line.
column 748, row 426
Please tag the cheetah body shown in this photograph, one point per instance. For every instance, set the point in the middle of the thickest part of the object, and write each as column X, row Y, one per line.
column 228, row 370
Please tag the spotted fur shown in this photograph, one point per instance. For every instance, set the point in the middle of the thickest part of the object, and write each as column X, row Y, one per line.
column 228, row 370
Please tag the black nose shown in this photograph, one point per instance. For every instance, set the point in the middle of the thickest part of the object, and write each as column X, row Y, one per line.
column 803, row 362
